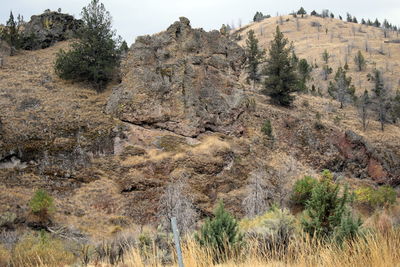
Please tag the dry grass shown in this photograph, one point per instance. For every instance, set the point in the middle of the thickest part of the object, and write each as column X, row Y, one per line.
column 373, row 250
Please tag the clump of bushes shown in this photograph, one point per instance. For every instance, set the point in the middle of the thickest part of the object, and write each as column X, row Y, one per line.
column 382, row 196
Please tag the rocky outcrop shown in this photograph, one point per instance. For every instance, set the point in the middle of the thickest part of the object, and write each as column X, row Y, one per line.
column 48, row 28
column 183, row 80
column 360, row 157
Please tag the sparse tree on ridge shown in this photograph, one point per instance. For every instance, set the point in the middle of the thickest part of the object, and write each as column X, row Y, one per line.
column 304, row 71
column 281, row 81
column 254, row 56
column 302, row 12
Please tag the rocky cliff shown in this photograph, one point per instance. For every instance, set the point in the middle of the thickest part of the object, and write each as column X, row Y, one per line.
column 184, row 80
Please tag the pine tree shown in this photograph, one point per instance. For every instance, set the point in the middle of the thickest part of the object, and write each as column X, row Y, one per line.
column 304, row 70
column 10, row 32
column 281, row 79
column 355, row 20
column 381, row 96
column 220, row 234
column 342, row 89
column 314, row 13
column 327, row 213
column 396, row 106
column 363, row 106
column 326, row 56
column 302, row 12
column 377, row 23
column 95, row 56
column 360, row 61
column 363, row 22
column 254, row 56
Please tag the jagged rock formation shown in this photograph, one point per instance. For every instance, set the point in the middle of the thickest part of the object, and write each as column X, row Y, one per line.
column 49, row 28
column 184, row 80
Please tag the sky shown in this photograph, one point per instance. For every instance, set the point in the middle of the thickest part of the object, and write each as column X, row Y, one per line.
column 132, row 18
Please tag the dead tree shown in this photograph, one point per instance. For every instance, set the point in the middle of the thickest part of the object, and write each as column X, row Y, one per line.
column 176, row 202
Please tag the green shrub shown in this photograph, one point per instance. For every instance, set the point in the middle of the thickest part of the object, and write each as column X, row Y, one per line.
column 42, row 204
column 302, row 190
column 267, row 128
column 220, row 234
column 327, row 213
column 384, row 195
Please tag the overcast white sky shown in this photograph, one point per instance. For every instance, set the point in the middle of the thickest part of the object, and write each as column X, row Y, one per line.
column 133, row 18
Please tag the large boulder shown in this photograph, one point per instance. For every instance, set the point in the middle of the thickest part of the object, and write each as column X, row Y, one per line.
column 48, row 28
column 184, row 80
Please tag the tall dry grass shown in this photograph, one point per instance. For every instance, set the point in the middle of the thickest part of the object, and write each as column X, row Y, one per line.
column 372, row 249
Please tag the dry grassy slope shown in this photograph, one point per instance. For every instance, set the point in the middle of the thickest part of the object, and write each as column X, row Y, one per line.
column 121, row 189
column 342, row 40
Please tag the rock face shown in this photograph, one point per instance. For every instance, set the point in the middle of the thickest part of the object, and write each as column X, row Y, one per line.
column 49, row 28
column 184, row 80
column 360, row 157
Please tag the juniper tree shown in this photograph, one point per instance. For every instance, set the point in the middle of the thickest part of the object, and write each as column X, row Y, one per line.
column 360, row 61
column 220, row 234
column 341, row 89
column 314, row 13
column 326, row 56
column 95, row 56
column 254, row 57
column 327, row 211
column 10, row 32
column 363, row 107
column 381, row 96
column 281, row 81
column 363, row 22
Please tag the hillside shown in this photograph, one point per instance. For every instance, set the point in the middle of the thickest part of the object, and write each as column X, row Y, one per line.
column 342, row 40
column 183, row 112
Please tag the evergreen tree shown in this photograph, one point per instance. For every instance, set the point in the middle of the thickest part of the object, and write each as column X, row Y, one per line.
column 325, row 56
column 342, row 89
column 314, row 13
column 363, row 22
column 302, row 12
column 355, row 20
column 349, row 18
column 363, row 106
column 377, row 23
column 340, row 17
column 304, row 72
column 327, row 213
column 259, row 16
column 381, row 96
column 95, row 56
column 124, row 47
column 360, row 61
column 396, row 106
column 220, row 234
column 10, row 32
column 281, row 79
column 254, row 56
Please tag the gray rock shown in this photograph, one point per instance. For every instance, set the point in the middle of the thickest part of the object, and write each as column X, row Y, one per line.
column 48, row 28
column 184, row 80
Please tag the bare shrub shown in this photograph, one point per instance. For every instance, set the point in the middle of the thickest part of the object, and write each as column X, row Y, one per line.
column 175, row 202
column 257, row 200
